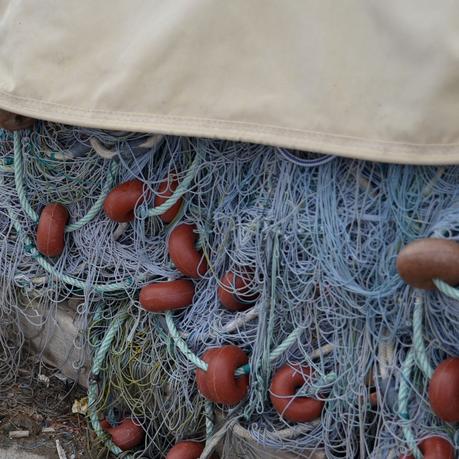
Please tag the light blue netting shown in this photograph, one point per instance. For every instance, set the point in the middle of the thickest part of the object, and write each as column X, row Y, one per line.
column 320, row 236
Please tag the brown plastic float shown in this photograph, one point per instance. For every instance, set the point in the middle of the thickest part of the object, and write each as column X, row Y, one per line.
column 165, row 191
column 201, row 375
column 286, row 381
column 50, row 231
column 219, row 383
column 182, row 250
column 120, row 203
column 167, row 296
column 14, row 122
column 232, row 292
column 434, row 448
column 187, row 449
column 126, row 435
column 423, row 260
column 444, row 390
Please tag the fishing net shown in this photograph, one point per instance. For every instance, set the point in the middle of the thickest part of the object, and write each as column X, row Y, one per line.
column 315, row 239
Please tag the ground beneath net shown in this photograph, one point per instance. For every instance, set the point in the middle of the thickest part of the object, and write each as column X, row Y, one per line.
column 43, row 407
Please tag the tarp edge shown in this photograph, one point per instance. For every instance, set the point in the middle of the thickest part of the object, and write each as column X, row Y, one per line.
column 351, row 147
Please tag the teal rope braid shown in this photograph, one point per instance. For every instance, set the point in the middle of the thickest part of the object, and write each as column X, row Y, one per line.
column 188, row 353
column 20, row 189
column 98, row 361
column 100, row 288
column 418, row 340
column 286, row 344
column 47, row 266
column 181, row 344
column 272, row 299
column 95, row 208
column 327, row 379
column 209, row 411
column 197, row 362
column 18, row 176
column 178, row 193
column 446, row 289
column 403, row 396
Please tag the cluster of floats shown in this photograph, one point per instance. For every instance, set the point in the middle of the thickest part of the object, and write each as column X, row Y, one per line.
column 418, row 264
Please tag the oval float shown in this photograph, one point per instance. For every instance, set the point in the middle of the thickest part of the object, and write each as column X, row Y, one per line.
column 186, row 450
column 14, row 122
column 221, row 383
column 126, row 435
column 286, row 381
column 201, row 376
column 50, row 231
column 444, row 390
column 232, row 292
column 182, row 250
column 425, row 259
column 165, row 191
column 120, row 203
column 166, row 296
column 434, row 448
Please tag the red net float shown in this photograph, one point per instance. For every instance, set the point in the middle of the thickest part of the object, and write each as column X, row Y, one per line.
column 14, row 122
column 126, row 435
column 233, row 292
column 50, row 231
column 444, row 390
column 201, row 376
column 286, row 381
column 187, row 449
column 105, row 424
column 423, row 260
column 167, row 296
column 434, row 448
column 120, row 203
column 220, row 385
column 182, row 250
column 165, row 191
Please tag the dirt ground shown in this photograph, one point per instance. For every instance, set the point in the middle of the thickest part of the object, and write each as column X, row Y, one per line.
column 40, row 401
column 15, row 453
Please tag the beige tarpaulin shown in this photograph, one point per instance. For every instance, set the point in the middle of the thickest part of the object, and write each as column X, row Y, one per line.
column 376, row 79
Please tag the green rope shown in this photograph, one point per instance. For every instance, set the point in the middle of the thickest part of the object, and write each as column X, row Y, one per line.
column 403, row 397
column 209, row 412
column 418, row 340
column 95, row 208
column 32, row 250
column 98, row 361
column 178, row 193
column 47, row 266
column 245, row 369
column 446, row 289
column 199, row 363
column 272, row 300
column 188, row 353
column 286, row 344
column 20, row 189
column 93, row 211
column 181, row 344
column 18, row 178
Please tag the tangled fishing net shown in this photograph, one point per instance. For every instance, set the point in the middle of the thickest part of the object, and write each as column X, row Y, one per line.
column 314, row 242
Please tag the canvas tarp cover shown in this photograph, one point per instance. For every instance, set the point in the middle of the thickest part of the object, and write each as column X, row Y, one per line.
column 367, row 79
